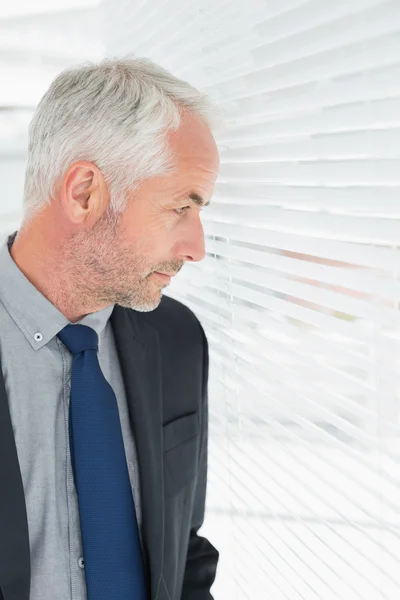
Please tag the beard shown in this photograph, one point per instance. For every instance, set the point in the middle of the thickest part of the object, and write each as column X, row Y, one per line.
column 106, row 272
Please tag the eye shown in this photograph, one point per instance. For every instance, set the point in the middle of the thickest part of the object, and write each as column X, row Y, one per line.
column 181, row 211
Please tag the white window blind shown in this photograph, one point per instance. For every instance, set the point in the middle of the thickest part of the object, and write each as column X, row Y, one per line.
column 299, row 294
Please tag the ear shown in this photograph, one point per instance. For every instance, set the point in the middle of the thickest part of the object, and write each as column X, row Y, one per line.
column 84, row 192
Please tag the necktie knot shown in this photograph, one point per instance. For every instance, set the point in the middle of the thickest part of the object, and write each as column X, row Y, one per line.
column 79, row 338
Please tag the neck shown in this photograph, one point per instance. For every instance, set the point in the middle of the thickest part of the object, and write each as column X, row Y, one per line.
column 45, row 267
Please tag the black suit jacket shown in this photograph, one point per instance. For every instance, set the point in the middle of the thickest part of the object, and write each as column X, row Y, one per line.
column 164, row 362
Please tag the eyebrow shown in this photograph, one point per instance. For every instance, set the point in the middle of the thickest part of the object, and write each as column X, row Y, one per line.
column 199, row 200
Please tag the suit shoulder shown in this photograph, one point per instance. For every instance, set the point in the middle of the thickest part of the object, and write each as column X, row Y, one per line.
column 175, row 317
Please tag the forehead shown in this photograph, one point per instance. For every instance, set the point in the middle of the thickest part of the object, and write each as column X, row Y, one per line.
column 194, row 146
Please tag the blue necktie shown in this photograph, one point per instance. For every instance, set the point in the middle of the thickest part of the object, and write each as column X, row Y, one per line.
column 110, row 536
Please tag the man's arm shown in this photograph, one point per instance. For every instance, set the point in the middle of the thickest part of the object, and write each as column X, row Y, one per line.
column 202, row 557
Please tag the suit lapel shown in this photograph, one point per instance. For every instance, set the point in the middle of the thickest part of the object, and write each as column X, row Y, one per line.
column 14, row 536
column 138, row 352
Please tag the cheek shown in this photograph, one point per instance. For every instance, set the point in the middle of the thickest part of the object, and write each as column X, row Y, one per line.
column 150, row 238
column 151, row 248
column 156, row 237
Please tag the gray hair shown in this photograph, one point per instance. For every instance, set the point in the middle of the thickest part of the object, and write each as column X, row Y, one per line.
column 115, row 114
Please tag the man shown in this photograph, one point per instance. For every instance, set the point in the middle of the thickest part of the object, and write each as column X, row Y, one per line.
column 103, row 382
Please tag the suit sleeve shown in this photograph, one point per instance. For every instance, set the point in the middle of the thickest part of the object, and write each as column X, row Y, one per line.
column 202, row 557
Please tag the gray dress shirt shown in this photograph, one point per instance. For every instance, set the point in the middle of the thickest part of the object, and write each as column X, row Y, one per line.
column 36, row 369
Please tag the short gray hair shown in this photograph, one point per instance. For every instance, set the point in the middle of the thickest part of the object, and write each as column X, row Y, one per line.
column 115, row 114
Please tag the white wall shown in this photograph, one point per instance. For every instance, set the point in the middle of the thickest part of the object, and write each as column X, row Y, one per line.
column 36, row 43
column 12, row 171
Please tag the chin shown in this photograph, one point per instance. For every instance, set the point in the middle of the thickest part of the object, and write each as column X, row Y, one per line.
column 148, row 304
column 147, row 307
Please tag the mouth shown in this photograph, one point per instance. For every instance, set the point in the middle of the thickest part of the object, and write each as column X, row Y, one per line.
column 163, row 276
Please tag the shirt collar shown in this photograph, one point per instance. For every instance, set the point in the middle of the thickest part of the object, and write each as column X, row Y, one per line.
column 37, row 318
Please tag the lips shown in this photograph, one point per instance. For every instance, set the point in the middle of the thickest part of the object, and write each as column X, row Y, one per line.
column 163, row 276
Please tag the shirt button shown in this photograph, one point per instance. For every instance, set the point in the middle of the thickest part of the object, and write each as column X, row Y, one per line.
column 81, row 562
column 38, row 337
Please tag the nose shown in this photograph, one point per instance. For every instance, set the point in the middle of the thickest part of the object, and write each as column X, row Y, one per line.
column 193, row 248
